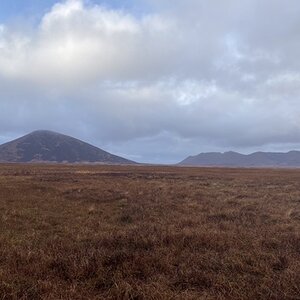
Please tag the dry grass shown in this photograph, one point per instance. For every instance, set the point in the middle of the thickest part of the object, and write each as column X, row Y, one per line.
column 107, row 232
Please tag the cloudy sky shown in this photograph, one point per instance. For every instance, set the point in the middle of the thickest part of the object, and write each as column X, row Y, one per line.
column 153, row 80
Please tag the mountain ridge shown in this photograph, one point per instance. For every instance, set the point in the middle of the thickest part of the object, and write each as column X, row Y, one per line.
column 51, row 146
column 235, row 159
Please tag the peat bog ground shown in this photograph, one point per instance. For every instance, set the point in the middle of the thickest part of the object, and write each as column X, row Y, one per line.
column 141, row 232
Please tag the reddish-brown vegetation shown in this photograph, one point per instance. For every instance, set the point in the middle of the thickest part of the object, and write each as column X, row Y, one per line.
column 108, row 232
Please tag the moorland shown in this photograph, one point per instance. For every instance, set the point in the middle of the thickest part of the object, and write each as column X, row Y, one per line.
column 142, row 232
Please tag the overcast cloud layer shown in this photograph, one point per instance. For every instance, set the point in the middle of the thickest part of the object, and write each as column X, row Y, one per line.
column 186, row 77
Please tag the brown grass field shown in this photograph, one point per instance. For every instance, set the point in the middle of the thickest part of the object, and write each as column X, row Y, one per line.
column 112, row 232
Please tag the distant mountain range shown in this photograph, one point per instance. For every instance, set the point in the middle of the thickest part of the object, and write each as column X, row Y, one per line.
column 234, row 159
column 48, row 146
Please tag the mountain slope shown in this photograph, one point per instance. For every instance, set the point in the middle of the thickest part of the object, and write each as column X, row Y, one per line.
column 48, row 146
column 234, row 159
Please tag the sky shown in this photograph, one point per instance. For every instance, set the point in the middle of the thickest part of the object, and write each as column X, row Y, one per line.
column 153, row 80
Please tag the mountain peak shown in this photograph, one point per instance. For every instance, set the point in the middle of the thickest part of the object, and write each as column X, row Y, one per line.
column 50, row 146
column 43, row 131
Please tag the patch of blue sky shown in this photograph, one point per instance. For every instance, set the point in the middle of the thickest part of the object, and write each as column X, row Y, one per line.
column 34, row 9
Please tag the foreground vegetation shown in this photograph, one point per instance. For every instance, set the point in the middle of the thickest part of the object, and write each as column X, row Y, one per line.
column 108, row 232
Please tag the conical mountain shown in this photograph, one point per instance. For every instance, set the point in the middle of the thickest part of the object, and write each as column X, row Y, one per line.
column 48, row 146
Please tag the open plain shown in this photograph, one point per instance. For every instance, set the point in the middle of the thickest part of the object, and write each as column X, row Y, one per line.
column 141, row 232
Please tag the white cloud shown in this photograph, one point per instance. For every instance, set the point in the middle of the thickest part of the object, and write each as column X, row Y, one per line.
column 76, row 44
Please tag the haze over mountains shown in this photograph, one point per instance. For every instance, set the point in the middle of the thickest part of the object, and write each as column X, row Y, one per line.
column 48, row 146
column 234, row 159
